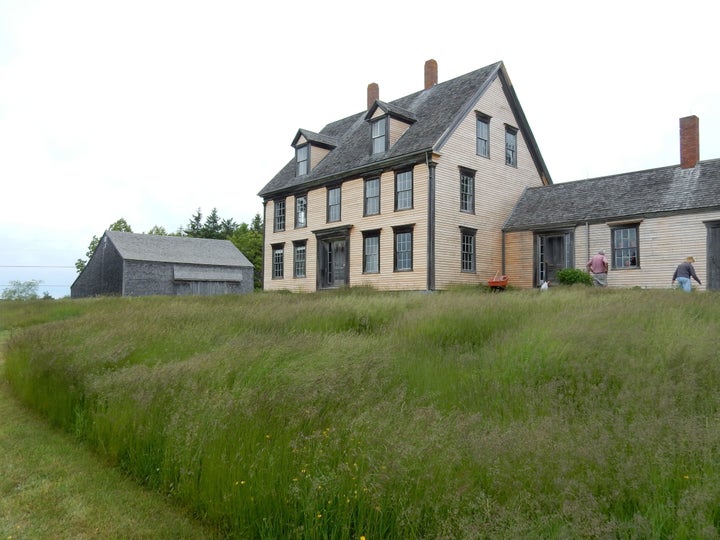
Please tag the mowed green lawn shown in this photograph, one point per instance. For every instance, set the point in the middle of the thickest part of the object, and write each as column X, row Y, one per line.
column 51, row 486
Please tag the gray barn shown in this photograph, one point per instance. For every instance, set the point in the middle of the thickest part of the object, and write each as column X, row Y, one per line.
column 128, row 264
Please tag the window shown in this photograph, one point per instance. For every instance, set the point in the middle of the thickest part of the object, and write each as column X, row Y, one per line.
column 467, row 191
column 467, row 249
column 302, row 157
column 371, row 252
column 300, row 259
column 333, row 204
column 510, row 146
column 279, row 221
column 483, row 135
column 379, row 135
column 278, row 264
column 403, row 248
column 625, row 253
column 300, row 211
column 372, row 197
column 403, row 190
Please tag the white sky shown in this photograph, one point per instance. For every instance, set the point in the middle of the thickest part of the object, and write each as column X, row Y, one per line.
column 150, row 109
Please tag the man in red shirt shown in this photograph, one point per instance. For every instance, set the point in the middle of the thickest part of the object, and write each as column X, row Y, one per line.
column 598, row 267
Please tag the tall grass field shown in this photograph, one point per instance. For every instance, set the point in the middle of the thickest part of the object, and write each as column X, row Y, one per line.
column 571, row 413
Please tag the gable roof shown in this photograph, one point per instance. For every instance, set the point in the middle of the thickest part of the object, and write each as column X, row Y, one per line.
column 436, row 112
column 665, row 190
column 176, row 249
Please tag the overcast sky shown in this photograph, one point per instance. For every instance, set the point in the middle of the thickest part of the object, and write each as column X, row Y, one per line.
column 148, row 110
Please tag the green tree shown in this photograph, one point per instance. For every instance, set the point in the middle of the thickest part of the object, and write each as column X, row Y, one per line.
column 120, row 225
column 22, row 290
column 249, row 240
column 158, row 230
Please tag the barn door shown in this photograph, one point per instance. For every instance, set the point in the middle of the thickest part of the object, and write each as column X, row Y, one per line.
column 713, row 255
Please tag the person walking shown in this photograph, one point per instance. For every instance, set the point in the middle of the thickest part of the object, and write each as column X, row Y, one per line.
column 598, row 267
column 684, row 272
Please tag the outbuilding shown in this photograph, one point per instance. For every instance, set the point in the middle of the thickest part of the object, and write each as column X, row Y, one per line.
column 129, row 264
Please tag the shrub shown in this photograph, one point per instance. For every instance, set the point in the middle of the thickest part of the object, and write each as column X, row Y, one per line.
column 571, row 276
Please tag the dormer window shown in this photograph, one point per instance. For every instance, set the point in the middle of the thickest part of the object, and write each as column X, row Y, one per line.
column 302, row 157
column 379, row 135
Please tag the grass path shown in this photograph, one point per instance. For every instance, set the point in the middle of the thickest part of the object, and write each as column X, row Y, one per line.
column 53, row 487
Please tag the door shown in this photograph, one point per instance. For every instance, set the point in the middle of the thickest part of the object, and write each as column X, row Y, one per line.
column 713, row 255
column 333, row 263
column 554, row 252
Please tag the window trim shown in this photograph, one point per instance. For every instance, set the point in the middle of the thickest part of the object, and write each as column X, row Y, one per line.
column 614, row 249
column 278, row 267
column 279, row 216
column 297, row 244
column 365, row 196
column 397, row 231
column 305, row 162
column 298, row 198
column 511, row 159
column 469, row 174
column 468, row 232
column 411, row 190
column 382, row 120
column 332, row 189
column 483, row 119
column 375, row 233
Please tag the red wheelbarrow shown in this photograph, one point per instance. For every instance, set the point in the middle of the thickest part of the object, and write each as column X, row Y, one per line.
column 498, row 282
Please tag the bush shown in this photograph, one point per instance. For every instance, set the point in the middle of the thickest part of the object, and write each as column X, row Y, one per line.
column 571, row 276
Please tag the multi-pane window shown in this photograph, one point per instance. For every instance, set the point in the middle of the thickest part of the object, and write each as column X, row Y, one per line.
column 279, row 220
column 278, row 261
column 403, row 249
column 300, row 259
column 302, row 157
column 510, row 146
column 467, row 191
column 333, row 204
column 403, row 190
column 371, row 252
column 379, row 135
column 625, row 249
column 300, row 211
column 467, row 249
column 483, row 136
column 372, row 197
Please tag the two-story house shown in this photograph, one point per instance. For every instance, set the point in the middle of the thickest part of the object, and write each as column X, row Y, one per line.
column 410, row 194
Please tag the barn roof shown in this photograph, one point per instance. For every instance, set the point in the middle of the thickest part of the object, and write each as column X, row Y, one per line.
column 177, row 249
column 433, row 114
column 664, row 190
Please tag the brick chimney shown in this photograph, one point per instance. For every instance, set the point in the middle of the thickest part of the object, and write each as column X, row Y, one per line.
column 431, row 74
column 373, row 94
column 689, row 141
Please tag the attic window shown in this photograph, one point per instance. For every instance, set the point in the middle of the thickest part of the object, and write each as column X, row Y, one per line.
column 510, row 146
column 302, row 157
column 379, row 135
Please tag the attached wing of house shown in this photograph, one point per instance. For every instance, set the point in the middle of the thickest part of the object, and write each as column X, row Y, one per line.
column 646, row 221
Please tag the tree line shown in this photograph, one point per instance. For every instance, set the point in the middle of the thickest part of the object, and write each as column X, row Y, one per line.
column 247, row 237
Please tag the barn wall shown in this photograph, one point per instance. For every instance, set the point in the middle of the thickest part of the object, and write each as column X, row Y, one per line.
column 144, row 278
column 102, row 275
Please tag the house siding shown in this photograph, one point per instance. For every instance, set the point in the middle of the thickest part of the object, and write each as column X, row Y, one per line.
column 352, row 199
column 663, row 243
column 519, row 267
column 497, row 188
